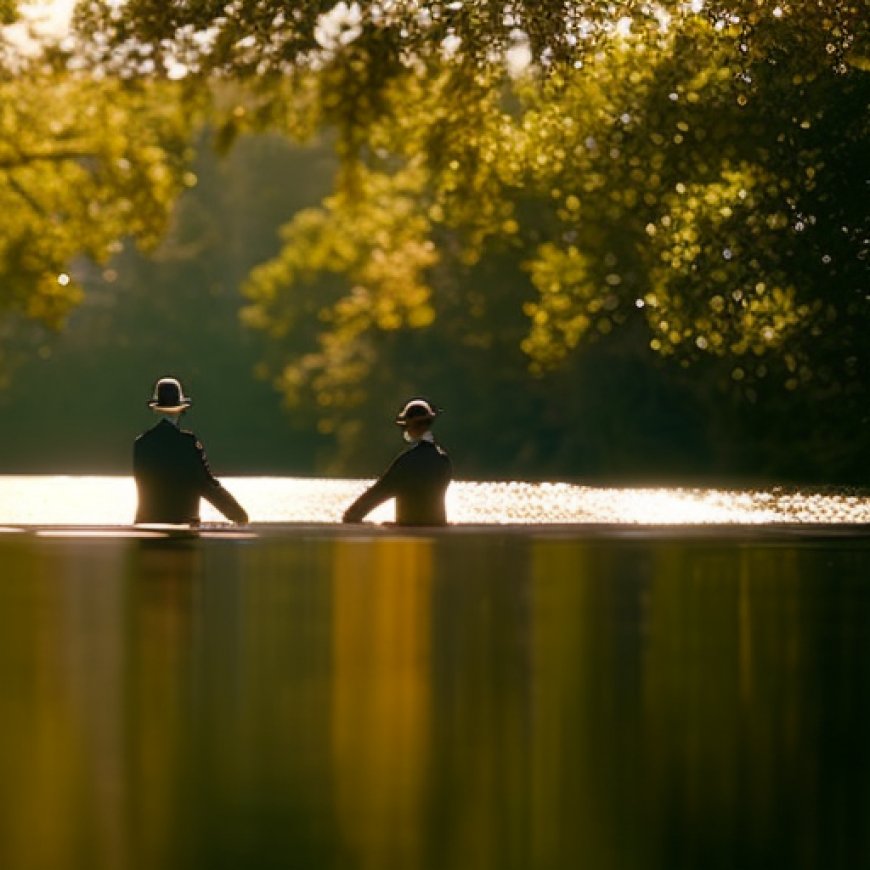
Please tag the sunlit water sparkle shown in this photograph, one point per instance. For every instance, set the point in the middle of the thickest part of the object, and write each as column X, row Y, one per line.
column 45, row 500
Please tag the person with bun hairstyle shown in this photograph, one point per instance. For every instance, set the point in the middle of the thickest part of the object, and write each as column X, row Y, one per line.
column 417, row 478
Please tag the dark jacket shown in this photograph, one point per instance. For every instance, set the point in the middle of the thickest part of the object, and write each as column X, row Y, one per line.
column 417, row 479
column 172, row 474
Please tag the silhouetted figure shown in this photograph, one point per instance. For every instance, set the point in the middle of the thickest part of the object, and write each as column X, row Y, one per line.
column 170, row 467
column 417, row 478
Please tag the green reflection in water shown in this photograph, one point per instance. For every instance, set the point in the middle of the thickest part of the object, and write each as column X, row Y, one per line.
column 455, row 702
column 701, row 706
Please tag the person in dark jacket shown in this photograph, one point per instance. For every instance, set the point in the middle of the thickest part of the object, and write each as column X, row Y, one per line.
column 417, row 478
column 170, row 467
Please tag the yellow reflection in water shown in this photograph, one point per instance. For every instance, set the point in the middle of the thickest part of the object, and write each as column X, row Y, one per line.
column 688, row 695
column 60, row 644
column 381, row 704
column 724, row 679
column 573, row 787
column 160, row 645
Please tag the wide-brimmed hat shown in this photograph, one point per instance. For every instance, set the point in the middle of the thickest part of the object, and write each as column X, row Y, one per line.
column 417, row 409
column 169, row 396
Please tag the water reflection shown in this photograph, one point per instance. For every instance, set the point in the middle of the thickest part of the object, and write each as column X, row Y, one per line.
column 485, row 702
column 50, row 500
column 381, row 703
column 694, row 705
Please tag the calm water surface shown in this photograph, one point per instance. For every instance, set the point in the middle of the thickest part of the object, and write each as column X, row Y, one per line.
column 321, row 697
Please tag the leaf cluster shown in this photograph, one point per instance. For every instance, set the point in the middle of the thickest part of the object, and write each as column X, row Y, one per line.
column 84, row 164
column 699, row 178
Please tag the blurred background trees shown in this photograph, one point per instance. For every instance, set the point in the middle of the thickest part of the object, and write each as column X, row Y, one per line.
column 617, row 241
column 86, row 161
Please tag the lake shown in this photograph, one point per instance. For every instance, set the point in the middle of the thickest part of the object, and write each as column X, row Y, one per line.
column 91, row 500
column 627, row 690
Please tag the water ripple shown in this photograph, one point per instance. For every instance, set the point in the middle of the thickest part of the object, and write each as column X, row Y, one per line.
column 90, row 500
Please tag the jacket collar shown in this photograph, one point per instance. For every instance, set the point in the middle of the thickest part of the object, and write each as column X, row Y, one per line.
column 426, row 436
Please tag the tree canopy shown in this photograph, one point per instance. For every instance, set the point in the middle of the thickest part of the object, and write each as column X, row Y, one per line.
column 698, row 167
column 520, row 180
column 86, row 161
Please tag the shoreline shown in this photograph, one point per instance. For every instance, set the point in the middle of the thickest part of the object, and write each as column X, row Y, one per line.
column 766, row 532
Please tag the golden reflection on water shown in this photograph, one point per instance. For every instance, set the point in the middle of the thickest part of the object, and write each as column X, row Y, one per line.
column 683, row 718
column 92, row 500
column 466, row 702
column 61, row 751
column 381, row 701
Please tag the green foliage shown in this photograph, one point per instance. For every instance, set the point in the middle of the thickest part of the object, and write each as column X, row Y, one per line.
column 85, row 161
column 691, row 176
column 83, row 164
column 379, row 243
column 697, row 178
column 170, row 310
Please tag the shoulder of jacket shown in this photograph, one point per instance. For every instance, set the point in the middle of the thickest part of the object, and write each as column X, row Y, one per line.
column 148, row 433
column 435, row 446
column 191, row 438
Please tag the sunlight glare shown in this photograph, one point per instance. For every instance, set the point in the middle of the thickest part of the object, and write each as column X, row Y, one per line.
column 623, row 26
column 49, row 18
column 47, row 500
column 519, row 55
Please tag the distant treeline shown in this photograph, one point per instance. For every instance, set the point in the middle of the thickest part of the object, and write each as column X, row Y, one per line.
column 615, row 412
column 616, row 242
